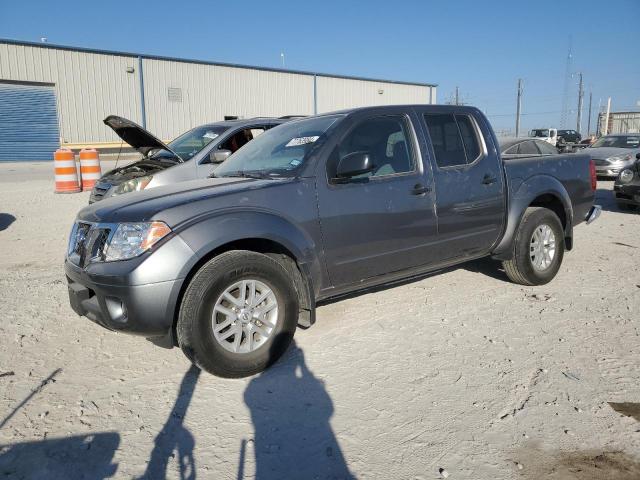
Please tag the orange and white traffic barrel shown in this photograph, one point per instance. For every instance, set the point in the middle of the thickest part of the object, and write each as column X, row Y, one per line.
column 66, row 173
column 89, row 167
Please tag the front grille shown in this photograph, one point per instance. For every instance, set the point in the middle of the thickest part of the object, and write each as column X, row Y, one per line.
column 99, row 191
column 601, row 163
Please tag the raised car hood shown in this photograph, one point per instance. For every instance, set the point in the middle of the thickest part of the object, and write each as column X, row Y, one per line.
column 136, row 136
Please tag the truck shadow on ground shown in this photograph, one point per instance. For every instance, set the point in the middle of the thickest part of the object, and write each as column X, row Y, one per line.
column 79, row 456
column 577, row 465
column 6, row 219
column 291, row 412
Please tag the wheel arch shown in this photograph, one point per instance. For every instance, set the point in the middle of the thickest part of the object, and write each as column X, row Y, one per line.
column 261, row 233
column 537, row 191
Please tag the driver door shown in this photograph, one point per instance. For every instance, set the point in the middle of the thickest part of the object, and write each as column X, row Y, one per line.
column 382, row 221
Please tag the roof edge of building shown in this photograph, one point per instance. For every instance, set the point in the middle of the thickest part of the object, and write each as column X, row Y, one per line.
column 206, row 62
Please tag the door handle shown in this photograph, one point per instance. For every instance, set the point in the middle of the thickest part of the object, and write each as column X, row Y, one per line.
column 489, row 179
column 419, row 189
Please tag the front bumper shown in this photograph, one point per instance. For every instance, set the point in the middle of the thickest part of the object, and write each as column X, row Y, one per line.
column 608, row 171
column 137, row 296
column 137, row 309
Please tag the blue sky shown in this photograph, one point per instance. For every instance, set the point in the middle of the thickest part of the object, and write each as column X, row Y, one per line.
column 482, row 47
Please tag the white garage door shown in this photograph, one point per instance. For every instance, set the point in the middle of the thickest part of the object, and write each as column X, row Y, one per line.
column 28, row 122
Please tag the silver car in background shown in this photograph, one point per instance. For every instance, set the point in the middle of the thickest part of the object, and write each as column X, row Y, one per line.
column 194, row 154
column 613, row 153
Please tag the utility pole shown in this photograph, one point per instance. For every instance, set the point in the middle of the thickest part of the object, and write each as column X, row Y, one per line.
column 518, row 107
column 580, row 97
column 567, row 83
column 457, row 96
column 606, row 118
column 589, row 119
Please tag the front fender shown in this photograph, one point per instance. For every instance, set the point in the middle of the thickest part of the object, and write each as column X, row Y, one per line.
column 523, row 193
column 207, row 234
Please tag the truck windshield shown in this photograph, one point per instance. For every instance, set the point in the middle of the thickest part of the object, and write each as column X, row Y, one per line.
column 540, row 133
column 279, row 152
column 194, row 140
column 619, row 141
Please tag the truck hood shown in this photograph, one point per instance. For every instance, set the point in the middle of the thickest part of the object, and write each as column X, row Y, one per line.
column 150, row 204
column 136, row 136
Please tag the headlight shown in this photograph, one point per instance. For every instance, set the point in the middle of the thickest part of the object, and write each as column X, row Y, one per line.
column 625, row 157
column 133, row 185
column 133, row 239
column 626, row 175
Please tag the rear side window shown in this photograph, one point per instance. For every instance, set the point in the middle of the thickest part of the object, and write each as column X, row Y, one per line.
column 528, row 148
column 546, row 148
column 454, row 139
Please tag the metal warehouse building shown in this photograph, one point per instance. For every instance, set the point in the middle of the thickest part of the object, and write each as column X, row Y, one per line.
column 53, row 95
column 619, row 122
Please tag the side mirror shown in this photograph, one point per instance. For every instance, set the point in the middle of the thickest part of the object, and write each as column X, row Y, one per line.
column 638, row 156
column 356, row 163
column 219, row 156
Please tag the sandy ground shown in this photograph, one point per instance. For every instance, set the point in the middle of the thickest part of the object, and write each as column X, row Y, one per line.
column 462, row 371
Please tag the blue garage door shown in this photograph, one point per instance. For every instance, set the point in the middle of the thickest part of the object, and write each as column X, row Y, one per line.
column 28, row 122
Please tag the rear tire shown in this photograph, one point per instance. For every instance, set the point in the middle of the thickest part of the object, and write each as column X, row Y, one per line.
column 215, row 312
column 538, row 248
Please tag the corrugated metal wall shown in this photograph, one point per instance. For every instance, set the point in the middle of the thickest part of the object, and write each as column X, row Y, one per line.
column 88, row 86
column 209, row 92
column 621, row 122
column 180, row 94
column 340, row 93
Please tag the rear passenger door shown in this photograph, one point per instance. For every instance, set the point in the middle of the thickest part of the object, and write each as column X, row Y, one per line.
column 469, row 182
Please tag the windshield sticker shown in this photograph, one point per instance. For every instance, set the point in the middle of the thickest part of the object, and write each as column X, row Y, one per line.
column 295, row 162
column 210, row 135
column 296, row 142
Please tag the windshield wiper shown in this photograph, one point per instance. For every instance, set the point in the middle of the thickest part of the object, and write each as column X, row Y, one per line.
column 249, row 174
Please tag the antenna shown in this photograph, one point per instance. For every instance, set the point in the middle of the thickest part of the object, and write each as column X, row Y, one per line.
column 567, row 82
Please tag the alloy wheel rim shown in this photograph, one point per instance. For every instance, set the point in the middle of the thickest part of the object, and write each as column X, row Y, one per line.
column 542, row 248
column 245, row 316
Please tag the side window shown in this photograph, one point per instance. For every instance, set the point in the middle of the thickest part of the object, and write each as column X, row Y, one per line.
column 469, row 137
column 240, row 138
column 454, row 139
column 527, row 148
column 386, row 139
column 546, row 148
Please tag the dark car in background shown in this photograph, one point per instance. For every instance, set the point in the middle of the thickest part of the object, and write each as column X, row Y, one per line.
column 569, row 136
column 512, row 147
column 627, row 186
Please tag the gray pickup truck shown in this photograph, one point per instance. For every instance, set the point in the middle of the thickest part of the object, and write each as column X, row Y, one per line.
column 227, row 267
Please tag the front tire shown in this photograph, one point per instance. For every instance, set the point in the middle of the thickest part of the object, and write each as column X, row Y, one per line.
column 238, row 314
column 538, row 248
